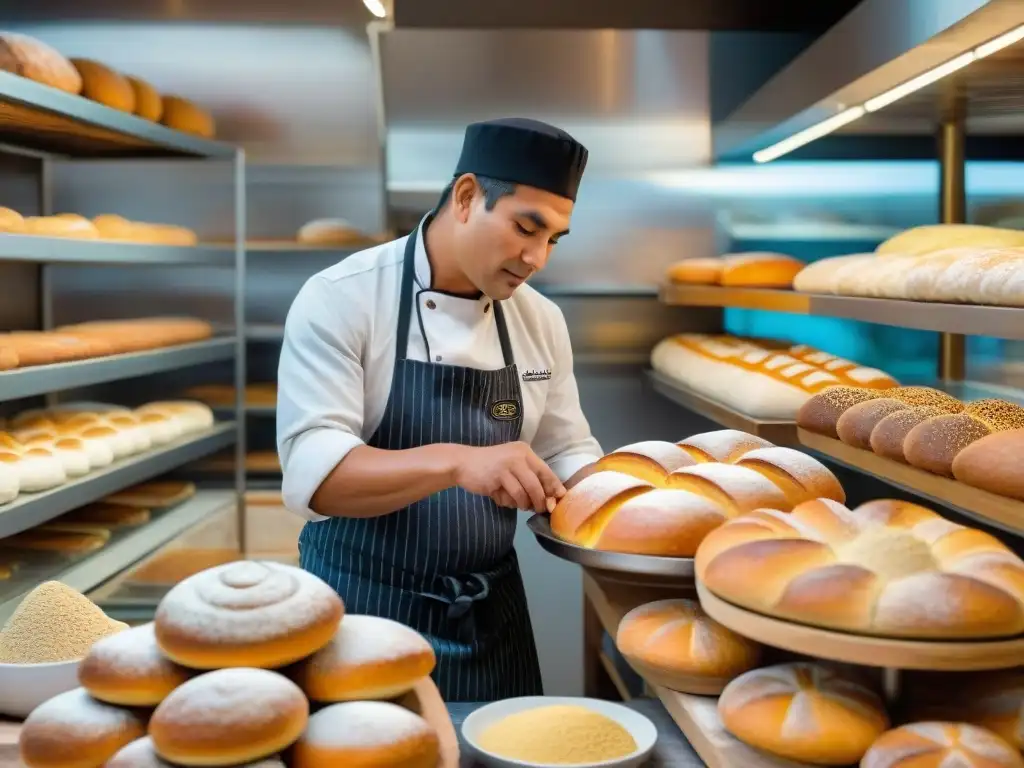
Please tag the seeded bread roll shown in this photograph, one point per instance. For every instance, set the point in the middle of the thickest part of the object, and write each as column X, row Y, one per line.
column 888, row 435
column 933, row 444
column 926, row 396
column 675, row 644
column 941, row 745
column 723, row 445
column 799, row 476
column 887, row 569
column 993, row 464
column 1000, row 415
column 854, row 427
column 803, row 712
column 821, row 413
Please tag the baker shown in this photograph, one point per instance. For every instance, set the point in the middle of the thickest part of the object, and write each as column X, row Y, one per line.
column 425, row 394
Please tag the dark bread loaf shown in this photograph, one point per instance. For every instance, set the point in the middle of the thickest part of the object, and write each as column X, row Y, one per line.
column 888, row 435
column 855, row 425
column 822, row 411
column 933, row 444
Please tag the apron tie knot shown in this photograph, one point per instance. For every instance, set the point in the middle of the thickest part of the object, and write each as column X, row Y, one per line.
column 459, row 595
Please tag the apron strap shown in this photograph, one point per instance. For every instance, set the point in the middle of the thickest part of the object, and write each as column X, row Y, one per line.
column 405, row 297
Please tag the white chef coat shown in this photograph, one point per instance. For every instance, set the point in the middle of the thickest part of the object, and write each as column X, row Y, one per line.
column 338, row 359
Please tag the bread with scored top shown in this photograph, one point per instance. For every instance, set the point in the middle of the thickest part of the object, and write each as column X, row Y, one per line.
column 941, row 745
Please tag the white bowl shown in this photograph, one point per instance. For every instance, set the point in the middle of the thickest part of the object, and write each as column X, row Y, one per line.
column 23, row 687
column 640, row 728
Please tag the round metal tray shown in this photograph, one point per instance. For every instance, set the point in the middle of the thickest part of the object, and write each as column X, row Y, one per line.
column 643, row 569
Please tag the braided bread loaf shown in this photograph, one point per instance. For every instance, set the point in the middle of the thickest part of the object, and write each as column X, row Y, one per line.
column 756, row 380
column 888, row 568
column 660, row 498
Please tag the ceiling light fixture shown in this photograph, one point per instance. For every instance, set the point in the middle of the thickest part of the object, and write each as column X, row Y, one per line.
column 376, row 7
column 883, row 100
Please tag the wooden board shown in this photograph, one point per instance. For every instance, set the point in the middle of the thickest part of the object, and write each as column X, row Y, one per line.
column 861, row 649
column 425, row 700
column 975, row 503
column 696, row 716
column 9, row 755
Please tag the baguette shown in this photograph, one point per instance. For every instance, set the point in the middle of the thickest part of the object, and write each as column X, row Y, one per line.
column 888, row 569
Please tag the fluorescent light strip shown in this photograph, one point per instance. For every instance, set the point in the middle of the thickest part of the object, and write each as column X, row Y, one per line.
column 376, row 7
column 808, row 135
column 919, row 82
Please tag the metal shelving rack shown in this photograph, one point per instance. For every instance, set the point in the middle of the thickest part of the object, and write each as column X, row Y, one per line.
column 47, row 125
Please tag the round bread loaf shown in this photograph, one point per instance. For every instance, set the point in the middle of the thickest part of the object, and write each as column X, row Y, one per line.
column 722, row 445
column 368, row 658
column 141, row 754
column 148, row 104
column 229, row 717
column 650, row 461
column 760, row 269
column 888, row 568
column 799, row 476
column 674, row 644
column 129, row 669
column 1000, row 415
column 701, row 271
column 926, row 396
column 367, row 734
column 890, row 432
column 734, row 489
column 855, row 425
column 821, row 413
column 615, row 512
column 993, row 464
column 803, row 712
column 934, row 443
column 182, row 115
column 103, row 85
column 941, row 745
column 73, row 730
column 329, row 232
column 994, row 701
column 247, row 614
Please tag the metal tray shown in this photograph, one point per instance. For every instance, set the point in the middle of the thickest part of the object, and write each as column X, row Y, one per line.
column 641, row 569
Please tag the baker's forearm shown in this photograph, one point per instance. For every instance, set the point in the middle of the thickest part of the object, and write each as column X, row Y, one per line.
column 370, row 482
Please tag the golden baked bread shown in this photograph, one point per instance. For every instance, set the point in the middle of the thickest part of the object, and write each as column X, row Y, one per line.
column 8, row 356
column 824, row 276
column 11, row 221
column 330, row 232
column 722, row 445
column 229, row 717
column 759, row 270
column 855, row 424
column 141, row 754
column 674, row 644
column 651, row 460
column 368, row 658
column 73, row 730
column 935, row 237
column 890, row 433
column 756, row 379
column 934, row 443
column 799, row 476
column 128, row 669
column 887, row 568
column 247, row 614
column 367, row 734
column 35, row 60
column 994, row 701
column 102, row 84
column 148, row 104
column 735, row 490
column 700, row 271
column 108, row 514
column 183, row 115
column 993, row 464
column 156, row 494
column 926, row 396
column 941, row 745
column 821, row 413
column 615, row 512
column 803, row 712
column 62, row 225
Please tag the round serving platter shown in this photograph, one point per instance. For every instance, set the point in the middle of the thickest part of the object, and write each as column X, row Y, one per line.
column 646, row 570
column 865, row 650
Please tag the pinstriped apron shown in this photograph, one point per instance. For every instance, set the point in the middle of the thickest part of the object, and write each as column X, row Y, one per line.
column 444, row 566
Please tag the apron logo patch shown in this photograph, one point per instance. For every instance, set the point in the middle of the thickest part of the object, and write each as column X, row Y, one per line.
column 536, row 374
column 505, row 410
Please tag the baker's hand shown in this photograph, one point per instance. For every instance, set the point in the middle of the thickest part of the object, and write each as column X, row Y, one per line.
column 511, row 474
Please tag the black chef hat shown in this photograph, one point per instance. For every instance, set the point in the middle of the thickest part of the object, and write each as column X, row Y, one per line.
column 523, row 151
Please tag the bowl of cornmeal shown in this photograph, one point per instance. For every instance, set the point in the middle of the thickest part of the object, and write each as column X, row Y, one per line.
column 548, row 731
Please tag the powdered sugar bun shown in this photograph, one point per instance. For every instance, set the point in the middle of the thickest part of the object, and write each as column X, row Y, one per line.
column 229, row 717
column 725, row 445
column 128, row 669
column 368, row 658
column 367, row 734
column 941, row 745
column 247, row 614
column 162, row 428
column 803, row 712
column 141, row 754
column 73, row 730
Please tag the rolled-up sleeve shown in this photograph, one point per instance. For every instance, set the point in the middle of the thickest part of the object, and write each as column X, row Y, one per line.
column 320, row 390
column 563, row 436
